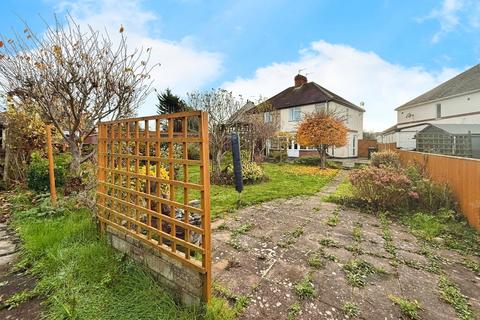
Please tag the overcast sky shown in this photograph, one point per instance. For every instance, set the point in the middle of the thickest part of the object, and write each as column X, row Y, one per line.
column 383, row 53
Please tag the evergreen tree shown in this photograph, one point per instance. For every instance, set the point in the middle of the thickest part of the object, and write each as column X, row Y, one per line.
column 170, row 103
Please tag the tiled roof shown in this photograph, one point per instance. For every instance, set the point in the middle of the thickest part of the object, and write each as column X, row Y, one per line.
column 308, row 93
column 464, row 82
column 459, row 128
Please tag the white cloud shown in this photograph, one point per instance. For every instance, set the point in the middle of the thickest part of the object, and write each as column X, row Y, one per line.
column 353, row 74
column 453, row 14
column 183, row 67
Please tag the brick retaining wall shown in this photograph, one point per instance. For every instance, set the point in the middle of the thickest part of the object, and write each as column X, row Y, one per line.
column 185, row 284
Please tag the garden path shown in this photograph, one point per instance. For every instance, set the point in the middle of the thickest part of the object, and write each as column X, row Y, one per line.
column 262, row 252
column 13, row 282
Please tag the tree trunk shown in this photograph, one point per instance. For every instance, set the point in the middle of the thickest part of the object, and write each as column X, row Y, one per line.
column 76, row 151
column 216, row 161
column 322, row 151
column 6, row 160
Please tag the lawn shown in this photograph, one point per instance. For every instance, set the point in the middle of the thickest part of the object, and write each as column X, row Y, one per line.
column 285, row 181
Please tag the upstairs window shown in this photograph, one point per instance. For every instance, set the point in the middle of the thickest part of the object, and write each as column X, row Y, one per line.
column 267, row 117
column 321, row 107
column 439, row 110
column 295, row 114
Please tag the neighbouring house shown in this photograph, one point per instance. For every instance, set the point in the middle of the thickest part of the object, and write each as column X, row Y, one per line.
column 461, row 140
column 456, row 101
column 305, row 97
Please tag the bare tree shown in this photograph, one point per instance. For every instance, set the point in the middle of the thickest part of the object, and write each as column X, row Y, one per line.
column 74, row 77
column 221, row 105
column 262, row 122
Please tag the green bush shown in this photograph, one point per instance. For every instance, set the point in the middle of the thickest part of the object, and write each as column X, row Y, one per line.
column 278, row 156
column 252, row 172
column 428, row 195
column 37, row 171
column 386, row 158
column 193, row 152
column 334, row 164
column 228, row 157
column 315, row 161
column 307, row 161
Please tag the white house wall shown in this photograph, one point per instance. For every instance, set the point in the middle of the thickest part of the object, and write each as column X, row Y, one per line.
column 461, row 109
column 455, row 106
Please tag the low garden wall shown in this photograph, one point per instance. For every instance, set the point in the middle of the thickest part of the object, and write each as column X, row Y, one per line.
column 187, row 285
column 461, row 174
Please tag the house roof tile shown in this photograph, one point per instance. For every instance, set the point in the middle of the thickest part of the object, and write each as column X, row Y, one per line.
column 466, row 81
column 308, row 93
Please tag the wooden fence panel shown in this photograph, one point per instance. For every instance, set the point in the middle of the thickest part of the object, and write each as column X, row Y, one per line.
column 387, row 146
column 147, row 180
column 461, row 174
column 363, row 146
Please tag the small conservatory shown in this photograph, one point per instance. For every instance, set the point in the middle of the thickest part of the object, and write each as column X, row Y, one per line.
column 462, row 140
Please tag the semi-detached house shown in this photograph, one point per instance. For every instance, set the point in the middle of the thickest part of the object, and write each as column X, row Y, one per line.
column 307, row 97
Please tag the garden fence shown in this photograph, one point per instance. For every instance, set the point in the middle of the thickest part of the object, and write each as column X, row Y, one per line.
column 153, row 185
column 461, row 174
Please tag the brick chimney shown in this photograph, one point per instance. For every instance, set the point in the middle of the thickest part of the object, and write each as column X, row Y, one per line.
column 300, row 80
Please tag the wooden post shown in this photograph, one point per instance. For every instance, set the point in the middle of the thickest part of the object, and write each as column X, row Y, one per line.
column 205, row 194
column 53, row 192
column 101, row 176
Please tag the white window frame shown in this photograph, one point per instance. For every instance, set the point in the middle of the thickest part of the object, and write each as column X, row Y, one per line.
column 267, row 117
column 319, row 107
column 295, row 114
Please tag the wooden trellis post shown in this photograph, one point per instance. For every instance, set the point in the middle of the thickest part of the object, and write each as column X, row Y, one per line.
column 51, row 165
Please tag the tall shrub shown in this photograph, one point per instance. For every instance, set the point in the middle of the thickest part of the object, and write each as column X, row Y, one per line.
column 38, row 175
column 382, row 187
column 386, row 158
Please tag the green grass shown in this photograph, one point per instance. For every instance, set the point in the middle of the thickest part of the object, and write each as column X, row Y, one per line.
column 294, row 310
column 409, row 308
column 240, row 302
column 351, row 309
column 333, row 220
column 282, row 183
column 18, row 298
column 82, row 277
column 291, row 237
column 357, row 272
column 243, row 229
column 304, row 288
column 388, row 245
column 342, row 194
column 315, row 260
column 452, row 230
column 328, row 242
column 450, row 292
column 357, row 232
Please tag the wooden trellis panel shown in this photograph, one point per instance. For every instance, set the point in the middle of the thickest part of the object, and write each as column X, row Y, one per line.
column 154, row 185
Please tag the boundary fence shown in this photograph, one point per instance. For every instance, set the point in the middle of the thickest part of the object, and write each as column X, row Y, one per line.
column 461, row 174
